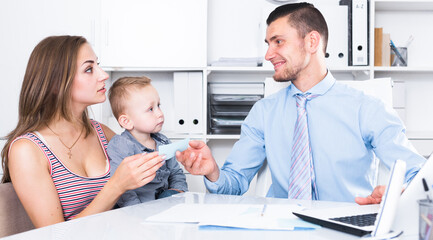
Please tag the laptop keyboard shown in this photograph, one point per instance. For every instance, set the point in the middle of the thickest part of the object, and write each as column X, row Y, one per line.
column 358, row 220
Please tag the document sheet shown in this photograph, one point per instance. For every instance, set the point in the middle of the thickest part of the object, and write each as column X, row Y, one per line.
column 275, row 216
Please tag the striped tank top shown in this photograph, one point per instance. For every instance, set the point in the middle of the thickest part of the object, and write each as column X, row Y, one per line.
column 75, row 191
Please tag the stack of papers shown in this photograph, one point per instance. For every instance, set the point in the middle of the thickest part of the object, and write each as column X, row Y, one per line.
column 214, row 216
column 238, row 62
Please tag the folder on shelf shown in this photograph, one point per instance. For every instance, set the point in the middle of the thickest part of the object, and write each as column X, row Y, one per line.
column 378, row 34
column 386, row 50
column 180, row 87
column 188, row 102
column 359, row 33
column 195, row 101
column 382, row 50
column 337, row 18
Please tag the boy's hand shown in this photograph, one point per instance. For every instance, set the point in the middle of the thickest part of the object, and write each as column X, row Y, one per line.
column 198, row 160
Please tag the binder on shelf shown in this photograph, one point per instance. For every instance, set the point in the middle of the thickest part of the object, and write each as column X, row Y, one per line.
column 180, row 90
column 359, row 33
column 386, row 50
column 195, row 101
column 188, row 102
column 382, row 50
column 378, row 41
column 336, row 17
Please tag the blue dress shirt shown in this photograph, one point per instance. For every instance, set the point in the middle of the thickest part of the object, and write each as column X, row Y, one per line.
column 349, row 132
column 170, row 175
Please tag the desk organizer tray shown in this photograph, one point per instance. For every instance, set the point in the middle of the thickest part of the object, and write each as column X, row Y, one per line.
column 230, row 110
column 227, row 122
column 234, row 99
column 225, row 130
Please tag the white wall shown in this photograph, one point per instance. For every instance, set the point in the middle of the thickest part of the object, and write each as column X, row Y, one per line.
column 234, row 30
column 22, row 25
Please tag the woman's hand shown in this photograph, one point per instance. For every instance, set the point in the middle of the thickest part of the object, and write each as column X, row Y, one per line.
column 136, row 171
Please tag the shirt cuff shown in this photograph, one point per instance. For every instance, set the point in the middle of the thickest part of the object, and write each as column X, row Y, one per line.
column 214, row 186
column 179, row 186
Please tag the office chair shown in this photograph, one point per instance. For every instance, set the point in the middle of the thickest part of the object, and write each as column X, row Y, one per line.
column 380, row 88
column 13, row 217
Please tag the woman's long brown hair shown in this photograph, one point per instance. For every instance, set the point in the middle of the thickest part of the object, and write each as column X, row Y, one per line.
column 46, row 89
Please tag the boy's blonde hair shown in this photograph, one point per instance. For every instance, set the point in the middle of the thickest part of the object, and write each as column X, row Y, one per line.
column 120, row 92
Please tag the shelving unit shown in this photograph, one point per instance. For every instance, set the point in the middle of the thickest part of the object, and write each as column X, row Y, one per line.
column 403, row 5
column 383, row 13
column 402, row 19
column 404, row 69
column 133, row 38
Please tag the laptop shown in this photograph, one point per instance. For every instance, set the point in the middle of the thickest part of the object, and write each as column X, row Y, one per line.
column 397, row 212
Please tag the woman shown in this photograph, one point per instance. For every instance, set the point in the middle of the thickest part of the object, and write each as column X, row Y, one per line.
column 56, row 156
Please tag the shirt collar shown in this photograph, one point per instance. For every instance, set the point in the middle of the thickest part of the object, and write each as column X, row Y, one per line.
column 158, row 140
column 319, row 89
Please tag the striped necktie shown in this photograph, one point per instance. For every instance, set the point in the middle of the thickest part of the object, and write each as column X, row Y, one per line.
column 302, row 182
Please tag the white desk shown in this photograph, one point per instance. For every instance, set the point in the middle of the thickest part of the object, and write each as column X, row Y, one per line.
column 128, row 223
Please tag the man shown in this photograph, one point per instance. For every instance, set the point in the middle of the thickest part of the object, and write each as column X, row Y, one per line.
column 319, row 137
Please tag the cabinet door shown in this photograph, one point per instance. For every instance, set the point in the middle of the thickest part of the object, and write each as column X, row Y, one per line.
column 23, row 24
column 154, row 33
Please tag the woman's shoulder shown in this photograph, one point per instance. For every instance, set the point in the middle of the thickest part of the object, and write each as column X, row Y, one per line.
column 107, row 131
column 25, row 147
column 27, row 139
column 24, row 140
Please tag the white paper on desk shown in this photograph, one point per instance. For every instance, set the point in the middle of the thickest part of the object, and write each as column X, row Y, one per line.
column 276, row 217
column 195, row 213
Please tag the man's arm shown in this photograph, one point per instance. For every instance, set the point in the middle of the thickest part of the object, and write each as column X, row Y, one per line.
column 245, row 159
column 384, row 130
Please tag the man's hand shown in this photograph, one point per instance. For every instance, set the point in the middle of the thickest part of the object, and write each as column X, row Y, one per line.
column 198, row 160
column 374, row 198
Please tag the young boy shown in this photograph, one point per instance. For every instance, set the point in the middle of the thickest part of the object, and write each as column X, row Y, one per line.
column 135, row 104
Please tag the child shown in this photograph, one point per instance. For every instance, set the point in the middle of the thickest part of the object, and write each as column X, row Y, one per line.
column 135, row 104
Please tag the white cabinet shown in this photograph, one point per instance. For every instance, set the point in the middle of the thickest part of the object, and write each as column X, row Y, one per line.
column 153, row 33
